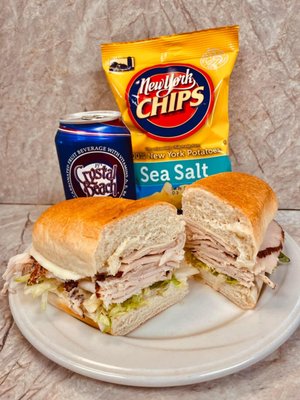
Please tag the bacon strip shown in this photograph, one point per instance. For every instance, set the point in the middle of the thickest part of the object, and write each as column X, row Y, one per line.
column 69, row 285
column 37, row 273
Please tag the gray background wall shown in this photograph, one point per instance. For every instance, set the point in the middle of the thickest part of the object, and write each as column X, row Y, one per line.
column 51, row 65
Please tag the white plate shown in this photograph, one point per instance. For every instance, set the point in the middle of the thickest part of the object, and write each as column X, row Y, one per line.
column 202, row 338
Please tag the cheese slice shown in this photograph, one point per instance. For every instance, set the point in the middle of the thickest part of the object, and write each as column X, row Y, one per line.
column 56, row 270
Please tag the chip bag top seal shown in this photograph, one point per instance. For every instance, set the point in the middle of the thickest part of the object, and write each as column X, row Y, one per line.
column 172, row 92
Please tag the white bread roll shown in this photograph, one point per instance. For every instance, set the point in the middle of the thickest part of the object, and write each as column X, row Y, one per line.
column 90, row 235
column 243, row 297
column 235, row 206
column 77, row 239
column 235, row 210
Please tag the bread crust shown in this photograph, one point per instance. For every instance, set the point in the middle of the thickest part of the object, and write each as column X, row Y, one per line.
column 253, row 197
column 243, row 297
column 71, row 229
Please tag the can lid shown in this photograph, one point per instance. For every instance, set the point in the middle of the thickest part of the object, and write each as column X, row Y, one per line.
column 90, row 117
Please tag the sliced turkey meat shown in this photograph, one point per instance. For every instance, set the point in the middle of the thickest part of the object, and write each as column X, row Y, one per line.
column 214, row 253
column 173, row 248
column 138, row 270
column 245, row 277
column 266, row 264
column 273, row 240
column 195, row 234
column 118, row 290
column 16, row 266
column 141, row 272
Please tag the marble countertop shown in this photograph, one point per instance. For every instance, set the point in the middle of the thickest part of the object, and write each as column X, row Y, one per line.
column 26, row 374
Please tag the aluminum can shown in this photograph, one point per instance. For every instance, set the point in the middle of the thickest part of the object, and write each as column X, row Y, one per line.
column 95, row 155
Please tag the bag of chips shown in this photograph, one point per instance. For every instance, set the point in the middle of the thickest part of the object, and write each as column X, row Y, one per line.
column 172, row 92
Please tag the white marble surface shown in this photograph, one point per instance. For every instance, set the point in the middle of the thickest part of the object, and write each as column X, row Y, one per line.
column 51, row 65
column 26, row 374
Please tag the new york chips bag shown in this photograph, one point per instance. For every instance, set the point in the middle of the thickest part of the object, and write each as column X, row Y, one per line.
column 172, row 92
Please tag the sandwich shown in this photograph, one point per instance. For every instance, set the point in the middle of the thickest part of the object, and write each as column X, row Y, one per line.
column 111, row 263
column 232, row 238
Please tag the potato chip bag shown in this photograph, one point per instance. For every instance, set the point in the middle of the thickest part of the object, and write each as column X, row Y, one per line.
column 172, row 92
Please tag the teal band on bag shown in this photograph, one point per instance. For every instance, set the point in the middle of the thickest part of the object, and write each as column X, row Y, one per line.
column 151, row 176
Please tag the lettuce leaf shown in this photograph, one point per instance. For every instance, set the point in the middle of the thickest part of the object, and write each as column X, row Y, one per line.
column 92, row 304
column 231, row 281
column 103, row 316
column 191, row 259
column 283, row 259
column 104, row 322
column 164, row 284
column 133, row 303
column 22, row 279
column 40, row 288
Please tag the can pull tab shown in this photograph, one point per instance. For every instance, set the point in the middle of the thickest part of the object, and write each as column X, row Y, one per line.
column 93, row 117
column 88, row 117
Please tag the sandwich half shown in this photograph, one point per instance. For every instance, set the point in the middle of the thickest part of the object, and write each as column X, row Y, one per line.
column 112, row 263
column 232, row 238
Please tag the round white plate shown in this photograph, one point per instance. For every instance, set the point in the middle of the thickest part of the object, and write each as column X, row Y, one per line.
column 204, row 337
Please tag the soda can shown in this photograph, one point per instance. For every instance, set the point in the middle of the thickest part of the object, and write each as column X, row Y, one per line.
column 95, row 155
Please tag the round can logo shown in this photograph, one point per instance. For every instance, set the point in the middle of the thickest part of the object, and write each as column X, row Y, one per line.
column 170, row 102
column 96, row 173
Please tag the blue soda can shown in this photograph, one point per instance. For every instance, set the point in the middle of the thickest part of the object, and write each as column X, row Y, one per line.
column 95, row 155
